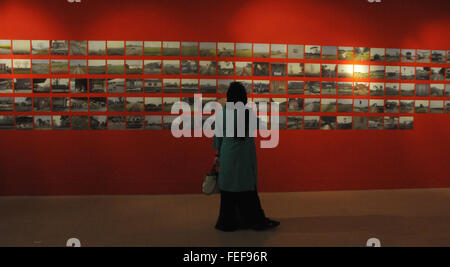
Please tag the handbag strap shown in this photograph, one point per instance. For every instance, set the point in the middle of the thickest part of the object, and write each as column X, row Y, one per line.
column 213, row 170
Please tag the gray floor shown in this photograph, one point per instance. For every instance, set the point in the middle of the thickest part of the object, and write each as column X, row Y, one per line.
column 345, row 218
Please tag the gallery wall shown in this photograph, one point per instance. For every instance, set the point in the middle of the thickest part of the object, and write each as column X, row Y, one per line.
column 140, row 162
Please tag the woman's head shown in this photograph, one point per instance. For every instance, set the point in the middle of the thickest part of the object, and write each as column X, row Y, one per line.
column 237, row 93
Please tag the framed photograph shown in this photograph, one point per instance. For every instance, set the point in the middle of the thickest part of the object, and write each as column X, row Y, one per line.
column 41, row 85
column 78, row 86
column 189, row 49
column 22, row 66
column 168, row 102
column 447, row 90
column 312, row 104
column 344, row 122
column 43, row 122
column 244, row 50
column 134, row 67
column 407, row 89
column 277, row 87
column 437, row 74
column 116, row 104
column 116, row 67
column 421, row 106
column 377, row 54
column 97, row 104
column 21, row 47
column 116, row 122
column 60, row 66
column 296, row 69
column 423, row 73
column 345, row 53
column 153, row 48
column 406, row 123
column 377, row 106
column 393, row 72
column 392, row 54
column 79, row 104
column 97, row 48
column 208, row 67
column 376, row 123
column 328, row 123
column 391, row 123
column 311, row 122
column 392, row 106
column 437, row 90
column 60, row 104
column 225, row 68
column 134, row 86
column 116, row 48
column 152, row 85
column 278, row 51
column 345, row 71
column 153, row 104
column 171, row 67
column 152, row 67
column 6, row 104
column 23, row 86
column 377, row 89
column 261, row 50
column 312, row 70
column 259, row 68
column 295, row 122
column 97, row 67
column 296, row 51
column 345, row 88
column 361, row 105
column 189, row 67
column 153, row 122
column 328, row 105
column 278, row 69
column 329, row 88
column 98, row 123
column 23, row 122
column 360, row 123
column 60, row 85
column 408, row 73
column 5, row 47
column 40, row 66
column 376, row 72
column 438, row 56
column 361, row 71
column 295, row 87
column 78, row 67
column 406, row 106
column 329, row 70
column 344, row 105
column 135, row 104
column 189, row 86
column 362, row 53
column 97, row 86
column 392, row 89
column 135, row 122
column 423, row 56
column 225, row 49
column 329, row 52
column 312, row 88
column 5, row 66
column 208, row 49
column 171, row 85
column 116, row 85
column 295, row 105
column 408, row 55
column 447, row 106
column 59, row 47
column 312, row 51
column 134, row 48
column 223, row 85
column 78, row 48
column 40, row 47
column 422, row 89
column 208, row 86
column 41, row 104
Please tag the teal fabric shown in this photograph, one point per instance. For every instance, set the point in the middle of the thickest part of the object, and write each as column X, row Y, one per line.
column 238, row 165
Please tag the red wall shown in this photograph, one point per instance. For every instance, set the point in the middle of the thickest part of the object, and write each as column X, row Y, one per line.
column 128, row 162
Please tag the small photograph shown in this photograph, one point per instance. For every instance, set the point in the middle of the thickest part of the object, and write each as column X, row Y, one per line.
column 223, row 85
column 312, row 105
column 153, row 48
column 98, row 123
column 261, row 50
column 168, row 102
column 40, row 47
column 407, row 89
column 421, row 106
column 80, row 123
column 406, row 106
column 116, row 122
column 247, row 84
column 78, row 67
column 153, row 104
column 422, row 89
column 377, row 54
column 328, row 123
column 41, row 104
column 135, row 122
column 361, row 71
column 116, row 104
column 97, row 67
column 345, row 71
column 207, row 49
column 189, row 49
column 21, row 86
column 447, row 106
column 329, row 52
column 79, row 104
column 78, row 48
column 312, row 122
column 408, row 55
column 329, row 70
column 60, row 85
column 345, row 88
column 296, row 69
column 22, row 66
column 376, row 72
column 59, row 47
column 278, row 50
column 437, row 90
column 135, row 104
column 282, row 105
column 376, row 123
column 5, row 66
column 97, row 48
column 312, row 88
column 361, row 105
column 344, row 122
column 295, row 87
column 391, row 123
column 225, row 68
column 134, row 48
column 40, row 66
column 423, row 56
column 278, row 87
column 393, row 72
column 243, row 50
column 296, row 51
column 345, row 53
column 436, row 106
column 278, row 69
column 423, row 73
column 97, row 104
column 392, row 55
column 312, row 70
column 167, row 122
column 78, row 85
column 360, row 123
column 152, row 85
column 377, row 89
column 362, row 53
column 438, row 56
column 408, row 73
column 23, row 123
column 6, row 104
column 406, row 123
column 115, row 48
column 43, row 122
column 328, row 105
column 97, row 86
column 259, row 68
column 6, row 122
column 295, row 104
column 171, row 67
column 208, row 67
column 171, row 85
column 437, row 74
column 153, row 122
column 392, row 89
column 261, row 87
column 208, row 86
column 295, row 122
column 447, row 90
column 153, row 67
column 135, row 67
column 60, row 66
column 225, row 49
column 312, row 51
column 116, row 67
column 5, row 47
column 189, row 67
column 377, row 106
column 361, row 88
column 190, row 86
column 60, row 104
column 41, row 85
column 392, row 106
column 116, row 85
column 23, row 104
column 134, row 85
column 329, row 88
column 21, row 47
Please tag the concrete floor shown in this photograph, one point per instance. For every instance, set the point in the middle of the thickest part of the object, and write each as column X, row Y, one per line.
column 344, row 218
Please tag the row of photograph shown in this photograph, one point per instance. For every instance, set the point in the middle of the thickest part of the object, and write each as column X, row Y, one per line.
column 165, row 104
column 220, row 86
column 219, row 49
column 221, row 68
column 64, row 122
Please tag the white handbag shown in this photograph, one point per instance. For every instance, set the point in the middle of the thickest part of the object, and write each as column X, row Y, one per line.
column 210, row 185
